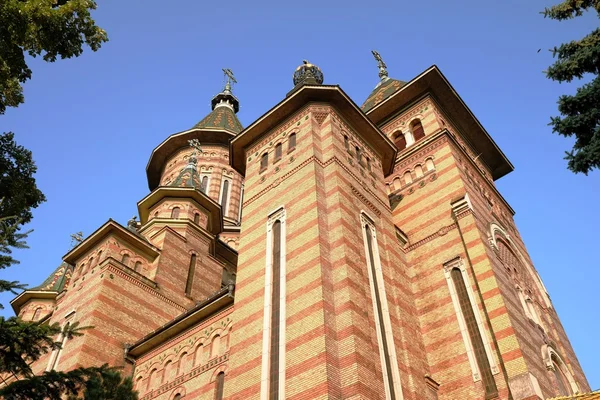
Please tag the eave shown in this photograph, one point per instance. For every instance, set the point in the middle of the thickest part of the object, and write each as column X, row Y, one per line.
column 215, row 221
column 433, row 82
column 111, row 228
column 27, row 295
column 218, row 302
column 178, row 141
column 331, row 94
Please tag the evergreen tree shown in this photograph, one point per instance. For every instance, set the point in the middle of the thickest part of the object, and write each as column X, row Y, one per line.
column 580, row 112
column 51, row 28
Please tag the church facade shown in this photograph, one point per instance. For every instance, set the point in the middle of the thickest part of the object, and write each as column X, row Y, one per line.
column 324, row 251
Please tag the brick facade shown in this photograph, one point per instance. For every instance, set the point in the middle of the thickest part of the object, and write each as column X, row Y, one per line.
column 373, row 240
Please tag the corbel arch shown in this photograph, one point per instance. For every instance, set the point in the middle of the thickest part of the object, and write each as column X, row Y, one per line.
column 496, row 230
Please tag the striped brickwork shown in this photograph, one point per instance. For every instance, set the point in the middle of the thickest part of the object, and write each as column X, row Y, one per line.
column 331, row 342
column 188, row 363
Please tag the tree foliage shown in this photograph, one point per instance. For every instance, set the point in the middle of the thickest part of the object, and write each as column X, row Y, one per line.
column 580, row 113
column 50, row 28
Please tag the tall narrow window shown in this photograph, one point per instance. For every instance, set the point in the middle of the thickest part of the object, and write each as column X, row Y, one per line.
column 429, row 164
column 273, row 361
column 346, row 143
column 475, row 336
column 190, row 277
column 264, row 161
column 137, row 267
column 561, row 381
column 225, row 196
column 278, row 151
column 419, row 171
column 204, row 184
column 383, row 324
column 292, row 142
column 196, row 218
column 368, row 164
column 400, row 140
column 219, row 383
column 36, row 314
column 358, row 154
column 175, row 213
column 125, row 259
column 417, row 130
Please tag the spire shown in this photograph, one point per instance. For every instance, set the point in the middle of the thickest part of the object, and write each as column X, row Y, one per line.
column 224, row 107
column 384, row 88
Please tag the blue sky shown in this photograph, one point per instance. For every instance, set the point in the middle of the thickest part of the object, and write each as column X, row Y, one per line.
column 92, row 122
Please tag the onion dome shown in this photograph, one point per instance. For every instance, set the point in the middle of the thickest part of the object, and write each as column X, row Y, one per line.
column 384, row 89
column 308, row 74
column 189, row 176
column 224, row 107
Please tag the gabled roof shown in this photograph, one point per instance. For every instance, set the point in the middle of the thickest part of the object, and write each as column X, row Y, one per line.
column 382, row 91
column 331, row 94
column 434, row 83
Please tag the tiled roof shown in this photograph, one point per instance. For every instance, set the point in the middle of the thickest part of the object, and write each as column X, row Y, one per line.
column 221, row 118
column 382, row 92
column 188, row 177
column 57, row 280
column 583, row 396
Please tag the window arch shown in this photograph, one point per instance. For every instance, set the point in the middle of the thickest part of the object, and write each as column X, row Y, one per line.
column 417, row 129
column 219, row 383
column 346, row 142
column 407, row 177
column 215, row 346
column 125, row 259
column 36, row 314
column 358, row 154
column 560, row 378
column 175, row 213
column 264, row 161
column 196, row 218
column 92, row 265
column 368, row 164
column 399, row 140
column 418, row 171
column 177, row 397
column 292, row 142
column 137, row 267
column 429, row 164
column 278, row 151
column 563, row 380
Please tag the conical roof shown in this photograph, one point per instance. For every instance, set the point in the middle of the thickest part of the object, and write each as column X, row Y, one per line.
column 57, row 281
column 382, row 91
column 189, row 176
column 221, row 117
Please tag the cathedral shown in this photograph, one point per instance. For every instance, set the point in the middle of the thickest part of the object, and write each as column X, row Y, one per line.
column 325, row 251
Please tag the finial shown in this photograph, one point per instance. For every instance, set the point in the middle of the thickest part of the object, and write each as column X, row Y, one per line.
column 76, row 238
column 383, row 73
column 229, row 80
column 194, row 144
column 308, row 74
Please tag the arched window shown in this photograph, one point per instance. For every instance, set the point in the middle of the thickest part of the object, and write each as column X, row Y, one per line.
column 36, row 314
column 175, row 213
column 137, row 266
column 99, row 257
column 397, row 183
column 346, row 143
column 190, row 278
column 225, row 196
column 278, row 151
column 358, row 154
column 204, row 184
column 368, row 164
column 292, row 142
column 177, row 397
column 219, row 383
column 562, row 382
column 215, row 346
column 419, row 171
column 417, row 129
column 196, row 218
column 264, row 161
column 199, row 356
column 125, row 259
column 91, row 263
column 429, row 164
column 167, row 372
column 407, row 177
column 400, row 140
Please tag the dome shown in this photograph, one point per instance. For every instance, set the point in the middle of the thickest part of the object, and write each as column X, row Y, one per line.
column 308, row 74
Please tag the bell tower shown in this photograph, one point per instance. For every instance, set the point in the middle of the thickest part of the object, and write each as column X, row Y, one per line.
column 321, row 284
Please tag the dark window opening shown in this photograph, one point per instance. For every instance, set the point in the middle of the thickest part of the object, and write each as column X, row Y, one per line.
column 264, row 161
column 220, row 382
column 125, row 259
column 379, row 312
column 358, row 154
column 137, row 266
column 224, row 197
column 474, row 333
column 276, row 271
column 561, row 381
column 278, row 151
column 417, row 130
column 190, row 277
column 203, row 184
column 196, row 218
column 346, row 143
column 400, row 140
column 175, row 213
column 292, row 142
